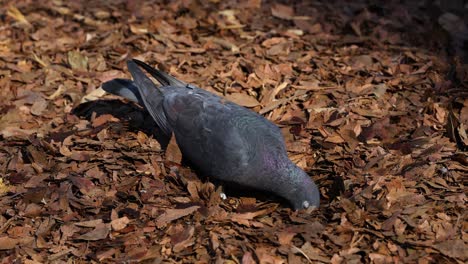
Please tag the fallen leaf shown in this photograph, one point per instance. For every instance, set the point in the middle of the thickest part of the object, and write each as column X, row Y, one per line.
column 3, row 187
column 8, row 243
column 102, row 119
column 120, row 223
column 173, row 152
column 243, row 99
column 242, row 218
column 93, row 95
column 185, row 239
column 90, row 223
column 39, row 106
column 17, row 15
column 247, row 258
column 285, row 237
column 454, row 249
column 99, row 232
column 173, row 214
column 282, row 11
column 77, row 61
column 314, row 253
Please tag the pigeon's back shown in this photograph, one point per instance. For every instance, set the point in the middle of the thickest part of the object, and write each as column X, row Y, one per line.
column 223, row 139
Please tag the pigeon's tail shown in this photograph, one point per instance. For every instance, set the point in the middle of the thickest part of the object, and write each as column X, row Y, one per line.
column 125, row 88
column 151, row 95
column 162, row 77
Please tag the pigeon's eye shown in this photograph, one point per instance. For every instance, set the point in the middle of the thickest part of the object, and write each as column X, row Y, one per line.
column 305, row 204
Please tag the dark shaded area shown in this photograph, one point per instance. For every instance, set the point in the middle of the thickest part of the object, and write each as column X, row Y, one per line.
column 133, row 116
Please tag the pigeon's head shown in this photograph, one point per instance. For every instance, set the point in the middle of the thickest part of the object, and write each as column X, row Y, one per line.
column 306, row 193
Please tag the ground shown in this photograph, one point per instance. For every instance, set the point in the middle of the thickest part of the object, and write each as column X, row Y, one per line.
column 371, row 99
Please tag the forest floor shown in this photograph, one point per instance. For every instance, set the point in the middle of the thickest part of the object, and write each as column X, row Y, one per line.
column 371, row 99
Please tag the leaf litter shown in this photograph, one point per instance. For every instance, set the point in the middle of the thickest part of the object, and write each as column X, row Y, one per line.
column 371, row 100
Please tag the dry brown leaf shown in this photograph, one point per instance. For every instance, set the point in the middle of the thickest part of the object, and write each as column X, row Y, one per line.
column 93, row 95
column 77, row 61
column 285, row 237
column 335, row 138
column 102, row 119
column 282, row 11
column 90, row 223
column 100, row 232
column 247, row 258
column 243, row 99
column 186, row 240
column 39, row 106
column 17, row 15
column 8, row 243
column 173, row 214
column 3, row 187
column 243, row 218
column 454, row 249
column 119, row 223
column 267, row 255
column 173, row 152
column 313, row 253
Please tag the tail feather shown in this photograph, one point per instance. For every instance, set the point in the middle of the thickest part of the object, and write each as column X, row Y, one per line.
column 125, row 88
column 162, row 77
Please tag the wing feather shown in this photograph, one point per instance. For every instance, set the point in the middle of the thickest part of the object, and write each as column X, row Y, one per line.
column 151, row 95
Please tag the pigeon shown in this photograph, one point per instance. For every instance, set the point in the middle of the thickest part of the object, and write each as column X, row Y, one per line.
column 221, row 139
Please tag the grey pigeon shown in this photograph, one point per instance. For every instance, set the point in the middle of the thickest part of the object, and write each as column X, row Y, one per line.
column 223, row 140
